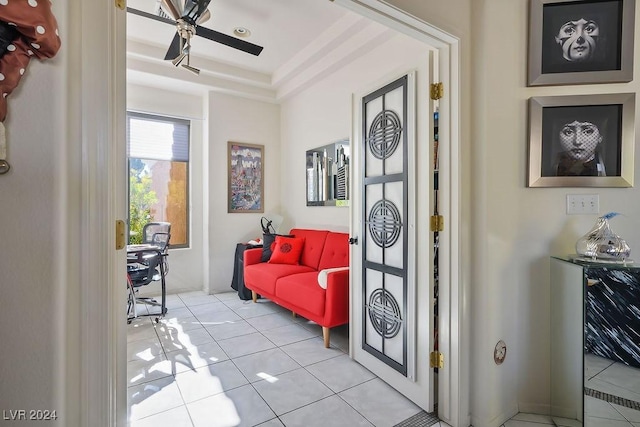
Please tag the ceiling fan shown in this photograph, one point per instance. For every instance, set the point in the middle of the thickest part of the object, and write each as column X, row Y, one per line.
column 186, row 16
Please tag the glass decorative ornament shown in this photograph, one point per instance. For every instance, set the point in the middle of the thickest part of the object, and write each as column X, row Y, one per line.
column 600, row 243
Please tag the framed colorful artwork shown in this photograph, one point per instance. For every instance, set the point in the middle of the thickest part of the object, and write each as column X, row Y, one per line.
column 245, row 178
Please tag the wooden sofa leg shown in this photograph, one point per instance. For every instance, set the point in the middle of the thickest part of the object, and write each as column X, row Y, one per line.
column 254, row 296
column 293, row 313
column 325, row 335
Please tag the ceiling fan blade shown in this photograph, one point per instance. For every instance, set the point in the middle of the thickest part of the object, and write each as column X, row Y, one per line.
column 174, row 48
column 193, row 9
column 171, row 8
column 150, row 16
column 227, row 40
column 204, row 17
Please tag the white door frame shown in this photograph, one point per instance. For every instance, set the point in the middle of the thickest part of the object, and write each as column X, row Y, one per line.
column 97, row 108
column 98, row 111
column 453, row 388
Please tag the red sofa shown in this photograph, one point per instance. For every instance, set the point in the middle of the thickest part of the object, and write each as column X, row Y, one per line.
column 298, row 288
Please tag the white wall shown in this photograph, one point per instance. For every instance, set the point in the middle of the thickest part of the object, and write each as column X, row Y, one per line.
column 38, row 269
column 522, row 226
column 321, row 115
column 187, row 272
column 238, row 120
column 513, row 229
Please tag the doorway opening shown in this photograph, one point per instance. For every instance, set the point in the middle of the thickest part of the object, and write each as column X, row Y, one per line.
column 448, row 55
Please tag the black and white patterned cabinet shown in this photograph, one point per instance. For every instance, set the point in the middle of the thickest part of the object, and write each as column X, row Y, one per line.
column 595, row 332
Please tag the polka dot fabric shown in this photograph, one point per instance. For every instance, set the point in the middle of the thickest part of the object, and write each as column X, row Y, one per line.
column 37, row 37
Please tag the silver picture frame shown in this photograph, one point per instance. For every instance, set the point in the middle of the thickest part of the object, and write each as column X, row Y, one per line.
column 607, row 58
column 615, row 152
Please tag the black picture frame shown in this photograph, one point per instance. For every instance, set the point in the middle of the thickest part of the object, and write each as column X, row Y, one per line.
column 580, row 41
column 610, row 165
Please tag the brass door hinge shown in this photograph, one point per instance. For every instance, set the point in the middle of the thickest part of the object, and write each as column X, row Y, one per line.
column 120, row 240
column 437, row 91
column 437, row 223
column 436, row 360
column 121, row 4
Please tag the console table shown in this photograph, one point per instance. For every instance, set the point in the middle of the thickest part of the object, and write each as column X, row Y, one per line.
column 595, row 309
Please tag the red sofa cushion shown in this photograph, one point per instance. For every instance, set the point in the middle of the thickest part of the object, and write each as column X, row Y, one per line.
column 287, row 250
column 268, row 243
column 302, row 290
column 335, row 252
column 263, row 276
column 313, row 245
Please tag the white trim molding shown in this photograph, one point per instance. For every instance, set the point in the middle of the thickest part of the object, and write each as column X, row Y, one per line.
column 98, row 112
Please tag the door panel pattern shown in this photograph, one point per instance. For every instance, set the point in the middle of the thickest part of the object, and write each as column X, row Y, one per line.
column 385, row 201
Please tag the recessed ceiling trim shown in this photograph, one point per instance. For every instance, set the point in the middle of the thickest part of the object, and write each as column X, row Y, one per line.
column 371, row 36
column 155, row 53
column 155, row 74
column 339, row 32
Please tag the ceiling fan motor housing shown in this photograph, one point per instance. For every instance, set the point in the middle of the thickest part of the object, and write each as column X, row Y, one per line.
column 186, row 16
column 185, row 29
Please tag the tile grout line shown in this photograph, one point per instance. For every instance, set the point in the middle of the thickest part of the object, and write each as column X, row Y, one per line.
column 278, row 416
column 316, row 336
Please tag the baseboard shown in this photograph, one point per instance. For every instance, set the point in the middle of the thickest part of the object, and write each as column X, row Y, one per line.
column 494, row 422
column 535, row 408
column 154, row 291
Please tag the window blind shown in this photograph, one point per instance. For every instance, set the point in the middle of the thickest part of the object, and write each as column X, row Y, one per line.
column 157, row 138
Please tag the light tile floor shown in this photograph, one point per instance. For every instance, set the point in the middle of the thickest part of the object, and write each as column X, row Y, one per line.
column 615, row 379
column 216, row 360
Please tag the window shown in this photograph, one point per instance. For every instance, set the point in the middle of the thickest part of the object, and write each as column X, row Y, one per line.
column 158, row 159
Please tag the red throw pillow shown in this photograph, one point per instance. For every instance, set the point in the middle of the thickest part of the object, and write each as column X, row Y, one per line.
column 287, row 250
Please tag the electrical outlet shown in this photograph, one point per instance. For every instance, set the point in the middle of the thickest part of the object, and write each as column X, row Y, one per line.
column 583, row 204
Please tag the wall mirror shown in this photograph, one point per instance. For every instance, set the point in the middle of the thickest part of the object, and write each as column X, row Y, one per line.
column 328, row 174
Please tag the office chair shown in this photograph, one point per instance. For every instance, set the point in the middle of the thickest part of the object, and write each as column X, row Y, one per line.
column 140, row 274
column 153, row 232
column 159, row 234
column 149, row 266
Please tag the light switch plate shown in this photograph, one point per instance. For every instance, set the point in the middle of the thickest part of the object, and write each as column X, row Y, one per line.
column 583, row 204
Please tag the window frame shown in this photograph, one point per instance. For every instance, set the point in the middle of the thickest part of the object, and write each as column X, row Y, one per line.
column 167, row 119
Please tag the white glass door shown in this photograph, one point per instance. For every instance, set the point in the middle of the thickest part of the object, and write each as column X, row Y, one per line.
column 392, row 316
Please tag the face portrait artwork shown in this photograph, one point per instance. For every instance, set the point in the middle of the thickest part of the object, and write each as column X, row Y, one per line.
column 581, row 36
column 579, row 40
column 579, row 141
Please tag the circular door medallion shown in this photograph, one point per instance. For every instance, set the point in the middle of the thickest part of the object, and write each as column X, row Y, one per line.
column 384, row 134
column 384, row 223
column 384, row 313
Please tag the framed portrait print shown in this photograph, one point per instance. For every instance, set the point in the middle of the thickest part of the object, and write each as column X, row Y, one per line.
column 580, row 41
column 245, row 163
column 581, row 141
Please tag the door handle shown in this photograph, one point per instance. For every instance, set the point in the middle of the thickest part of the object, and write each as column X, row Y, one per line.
column 353, row 240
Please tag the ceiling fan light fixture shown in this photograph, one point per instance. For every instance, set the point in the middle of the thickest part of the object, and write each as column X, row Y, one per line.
column 192, row 69
column 178, row 59
column 171, row 8
column 241, row 32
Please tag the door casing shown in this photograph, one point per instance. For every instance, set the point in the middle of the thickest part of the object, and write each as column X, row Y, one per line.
column 102, row 375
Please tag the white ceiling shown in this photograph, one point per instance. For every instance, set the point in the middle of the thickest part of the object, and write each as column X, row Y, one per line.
column 301, row 40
